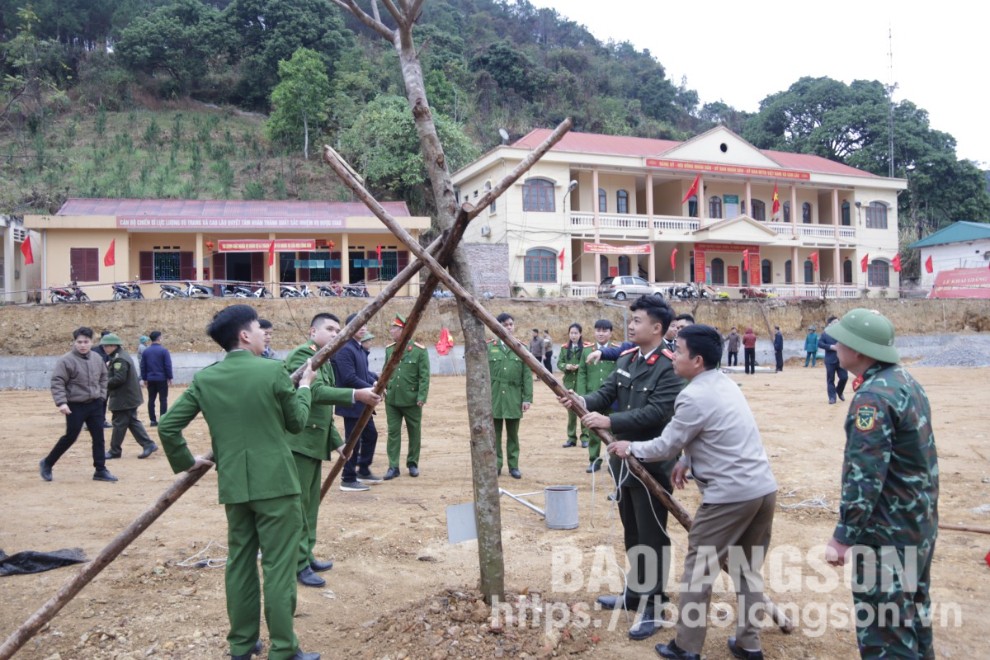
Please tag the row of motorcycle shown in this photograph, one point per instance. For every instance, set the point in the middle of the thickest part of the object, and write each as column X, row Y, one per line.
column 132, row 291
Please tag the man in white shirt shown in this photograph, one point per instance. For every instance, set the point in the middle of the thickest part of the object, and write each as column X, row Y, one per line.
column 717, row 432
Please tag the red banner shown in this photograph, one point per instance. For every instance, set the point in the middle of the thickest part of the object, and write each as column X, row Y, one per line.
column 720, row 168
column 263, row 245
column 605, row 248
column 962, row 283
column 726, row 247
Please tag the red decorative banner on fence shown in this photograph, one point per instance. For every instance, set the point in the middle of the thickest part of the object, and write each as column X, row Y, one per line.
column 605, row 248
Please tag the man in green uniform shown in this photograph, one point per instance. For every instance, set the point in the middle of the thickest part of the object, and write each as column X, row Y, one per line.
column 405, row 397
column 124, row 398
column 645, row 386
column 590, row 378
column 319, row 437
column 888, row 517
column 249, row 404
column 512, row 394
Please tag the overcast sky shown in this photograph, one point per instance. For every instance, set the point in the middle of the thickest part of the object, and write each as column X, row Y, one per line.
column 741, row 52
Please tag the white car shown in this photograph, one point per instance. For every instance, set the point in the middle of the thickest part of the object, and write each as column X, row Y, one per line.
column 626, row 286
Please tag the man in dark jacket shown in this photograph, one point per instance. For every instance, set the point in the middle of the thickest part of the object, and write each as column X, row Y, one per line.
column 350, row 368
column 832, row 366
column 778, row 347
column 124, row 397
column 156, row 374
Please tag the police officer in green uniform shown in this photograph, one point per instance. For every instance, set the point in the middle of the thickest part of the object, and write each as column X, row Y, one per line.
column 313, row 445
column 405, row 397
column 512, row 394
column 249, row 404
column 888, row 516
column 645, row 386
column 590, row 378
column 124, row 398
column 569, row 362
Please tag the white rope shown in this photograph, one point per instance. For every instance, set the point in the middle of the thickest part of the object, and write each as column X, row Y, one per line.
column 209, row 562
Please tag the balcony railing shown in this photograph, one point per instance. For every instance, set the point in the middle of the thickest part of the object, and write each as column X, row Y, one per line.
column 638, row 225
column 786, row 291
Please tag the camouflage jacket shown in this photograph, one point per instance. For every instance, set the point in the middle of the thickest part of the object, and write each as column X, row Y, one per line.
column 890, row 470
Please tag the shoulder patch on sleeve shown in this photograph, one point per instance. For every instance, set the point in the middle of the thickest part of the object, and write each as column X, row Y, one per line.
column 628, row 351
column 866, row 418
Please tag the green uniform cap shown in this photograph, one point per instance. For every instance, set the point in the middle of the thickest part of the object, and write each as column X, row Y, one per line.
column 868, row 332
column 110, row 339
column 399, row 321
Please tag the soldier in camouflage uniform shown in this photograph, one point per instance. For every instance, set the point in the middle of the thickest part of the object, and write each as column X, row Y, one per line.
column 405, row 397
column 512, row 394
column 888, row 517
column 590, row 378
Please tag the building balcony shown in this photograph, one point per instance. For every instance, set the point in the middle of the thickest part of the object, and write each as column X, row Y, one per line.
column 815, row 291
column 637, row 227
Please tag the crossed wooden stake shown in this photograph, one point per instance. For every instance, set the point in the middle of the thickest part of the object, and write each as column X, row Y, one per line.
column 433, row 257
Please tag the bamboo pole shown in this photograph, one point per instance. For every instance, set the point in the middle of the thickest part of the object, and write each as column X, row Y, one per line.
column 964, row 528
column 47, row 612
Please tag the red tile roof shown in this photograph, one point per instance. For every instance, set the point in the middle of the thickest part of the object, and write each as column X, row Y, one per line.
column 620, row 145
column 192, row 208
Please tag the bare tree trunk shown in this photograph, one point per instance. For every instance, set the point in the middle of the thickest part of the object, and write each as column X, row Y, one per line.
column 305, row 137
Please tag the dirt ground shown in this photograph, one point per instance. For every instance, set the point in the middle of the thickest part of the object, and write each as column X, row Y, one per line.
column 399, row 590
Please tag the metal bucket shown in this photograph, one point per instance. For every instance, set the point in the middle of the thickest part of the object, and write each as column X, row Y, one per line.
column 561, row 507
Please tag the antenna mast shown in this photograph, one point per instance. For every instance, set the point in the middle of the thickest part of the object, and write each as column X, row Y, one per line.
column 891, row 86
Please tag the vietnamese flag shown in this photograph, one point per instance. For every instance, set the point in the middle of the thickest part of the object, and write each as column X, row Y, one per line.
column 776, row 201
column 378, row 253
column 929, row 268
column 560, row 258
column 26, row 251
column 814, row 260
column 896, row 263
column 693, row 189
column 271, row 253
column 673, row 260
column 110, row 258
column 864, row 263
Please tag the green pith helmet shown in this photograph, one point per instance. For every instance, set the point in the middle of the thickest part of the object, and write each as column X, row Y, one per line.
column 110, row 339
column 868, row 332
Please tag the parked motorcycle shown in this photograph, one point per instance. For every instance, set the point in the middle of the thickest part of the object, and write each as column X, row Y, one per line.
column 70, row 293
column 292, row 291
column 191, row 290
column 357, row 290
column 127, row 291
column 257, row 290
column 332, row 290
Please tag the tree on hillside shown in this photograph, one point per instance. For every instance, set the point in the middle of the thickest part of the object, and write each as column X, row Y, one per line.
column 28, row 86
column 299, row 101
column 180, row 39
column 384, row 147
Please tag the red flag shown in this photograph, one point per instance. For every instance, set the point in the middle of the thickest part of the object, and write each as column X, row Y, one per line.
column 864, row 263
column 814, row 260
column 746, row 259
column 378, row 252
column 776, row 201
column 693, row 189
column 271, row 253
column 445, row 343
column 560, row 258
column 929, row 268
column 110, row 258
column 896, row 263
column 673, row 259
column 26, row 251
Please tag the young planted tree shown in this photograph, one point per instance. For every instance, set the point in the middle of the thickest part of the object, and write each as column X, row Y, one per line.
column 299, row 101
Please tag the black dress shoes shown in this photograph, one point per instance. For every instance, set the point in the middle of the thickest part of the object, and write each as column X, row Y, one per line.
column 247, row 656
column 515, row 473
column 320, row 566
column 672, row 650
column 841, row 398
column 111, row 455
column 743, row 654
column 614, row 603
column 569, row 444
column 148, row 451
column 413, row 471
column 391, row 473
column 103, row 475
column 645, row 625
column 308, row 578
column 300, row 655
column 46, row 470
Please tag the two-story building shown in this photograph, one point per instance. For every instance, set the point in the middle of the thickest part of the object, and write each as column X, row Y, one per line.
column 714, row 210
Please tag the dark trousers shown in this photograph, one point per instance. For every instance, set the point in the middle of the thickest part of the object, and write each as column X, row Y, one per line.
column 733, row 358
column 90, row 414
column 124, row 421
column 749, row 355
column 779, row 356
column 547, row 357
column 647, row 546
column 157, row 388
column 831, row 369
column 365, row 451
